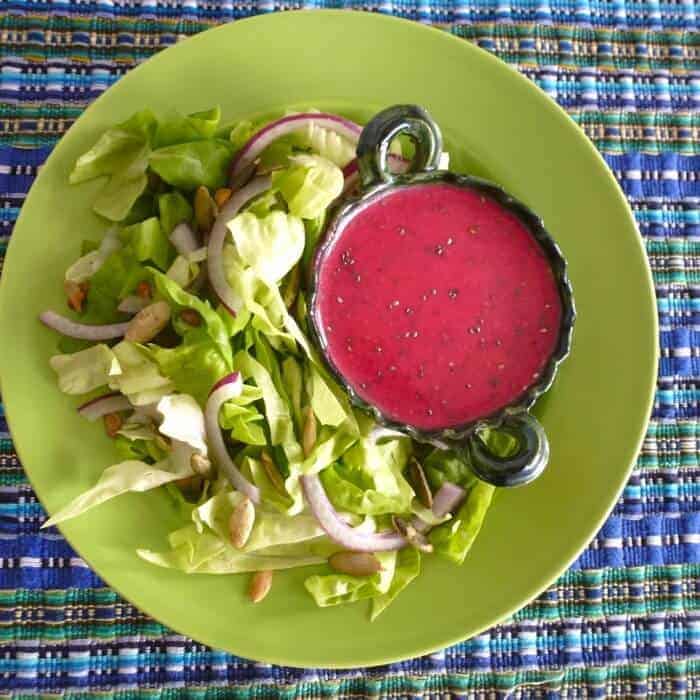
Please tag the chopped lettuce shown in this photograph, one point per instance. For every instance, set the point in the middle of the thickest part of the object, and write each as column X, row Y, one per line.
column 369, row 479
column 148, row 242
column 183, row 420
column 270, row 246
column 309, row 185
column 335, row 589
column 454, row 538
column 139, row 378
column 122, row 478
column 194, row 127
column 121, row 153
column 189, row 165
column 173, row 209
column 83, row 371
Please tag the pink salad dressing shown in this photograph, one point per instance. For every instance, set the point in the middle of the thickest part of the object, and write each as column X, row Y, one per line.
column 438, row 306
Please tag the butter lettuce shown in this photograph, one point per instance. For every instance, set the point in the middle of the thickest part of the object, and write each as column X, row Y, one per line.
column 271, row 246
column 454, row 538
column 309, row 185
column 189, row 165
column 85, row 370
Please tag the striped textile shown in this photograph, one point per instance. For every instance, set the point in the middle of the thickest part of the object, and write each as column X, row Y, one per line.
column 624, row 621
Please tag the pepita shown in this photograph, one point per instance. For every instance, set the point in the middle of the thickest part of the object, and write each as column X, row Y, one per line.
column 200, row 464
column 260, row 585
column 309, row 432
column 76, row 294
column 221, row 196
column 148, row 322
column 273, row 473
column 418, row 480
column 191, row 317
column 290, row 288
column 415, row 539
column 205, row 209
column 355, row 563
column 241, row 522
column 112, row 421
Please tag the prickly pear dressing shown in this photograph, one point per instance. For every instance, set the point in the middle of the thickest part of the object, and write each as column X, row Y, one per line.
column 437, row 305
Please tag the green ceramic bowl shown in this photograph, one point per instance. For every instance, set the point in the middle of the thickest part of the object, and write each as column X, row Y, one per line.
column 497, row 125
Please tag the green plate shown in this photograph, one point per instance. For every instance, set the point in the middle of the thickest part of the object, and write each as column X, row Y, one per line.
column 498, row 125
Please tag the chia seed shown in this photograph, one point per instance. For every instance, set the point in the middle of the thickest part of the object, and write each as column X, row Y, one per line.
column 453, row 293
column 409, row 310
column 439, row 250
column 339, row 300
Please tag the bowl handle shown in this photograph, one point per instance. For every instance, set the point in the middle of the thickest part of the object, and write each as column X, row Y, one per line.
column 376, row 138
column 522, row 467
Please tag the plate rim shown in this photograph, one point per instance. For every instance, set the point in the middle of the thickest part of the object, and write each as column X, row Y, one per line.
column 368, row 660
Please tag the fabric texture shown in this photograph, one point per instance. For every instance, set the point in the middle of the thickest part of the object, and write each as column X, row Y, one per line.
column 624, row 621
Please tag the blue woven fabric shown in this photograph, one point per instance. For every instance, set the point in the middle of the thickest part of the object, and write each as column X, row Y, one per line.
column 625, row 620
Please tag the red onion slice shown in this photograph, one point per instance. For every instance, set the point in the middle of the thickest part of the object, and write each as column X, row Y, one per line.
column 333, row 525
column 82, row 331
column 184, row 239
column 227, row 388
column 102, row 405
column 287, row 125
column 447, row 498
column 217, row 238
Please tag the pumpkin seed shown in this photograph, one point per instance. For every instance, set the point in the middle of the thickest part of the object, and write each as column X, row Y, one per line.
column 309, row 433
column 191, row 317
column 241, row 522
column 76, row 294
column 221, row 196
column 243, row 177
column 260, row 585
column 144, row 290
column 191, row 487
column 200, row 464
column 355, row 563
column 162, row 443
column 205, row 209
column 415, row 539
column 148, row 322
column 273, row 473
column 112, row 421
column 290, row 288
column 418, row 480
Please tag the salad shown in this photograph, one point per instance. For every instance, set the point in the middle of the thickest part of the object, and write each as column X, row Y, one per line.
column 187, row 339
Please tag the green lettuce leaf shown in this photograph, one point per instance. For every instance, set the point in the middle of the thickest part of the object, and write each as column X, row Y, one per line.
column 139, row 379
column 121, row 153
column 454, row 538
column 194, row 127
column 327, row 144
column 407, row 568
column 173, row 209
column 369, row 480
column 212, row 326
column 193, row 366
column 125, row 477
column 83, row 371
column 277, row 411
column 189, row 165
column 270, row 246
column 241, row 133
column 183, row 420
column 116, row 278
column 148, row 242
column 447, row 465
column 337, row 589
column 309, row 185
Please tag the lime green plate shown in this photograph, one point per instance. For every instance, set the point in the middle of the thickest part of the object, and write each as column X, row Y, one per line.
column 497, row 125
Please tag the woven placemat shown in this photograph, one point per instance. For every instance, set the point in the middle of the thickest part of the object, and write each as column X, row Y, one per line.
column 624, row 621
